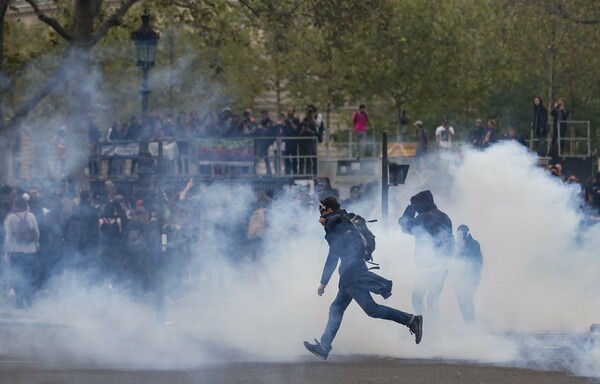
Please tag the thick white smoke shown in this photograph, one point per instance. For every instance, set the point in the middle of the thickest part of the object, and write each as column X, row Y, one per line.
column 540, row 274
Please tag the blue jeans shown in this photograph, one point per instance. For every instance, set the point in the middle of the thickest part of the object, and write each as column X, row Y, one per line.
column 365, row 301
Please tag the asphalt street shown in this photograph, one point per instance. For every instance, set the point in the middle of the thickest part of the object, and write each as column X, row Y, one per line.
column 347, row 370
column 28, row 355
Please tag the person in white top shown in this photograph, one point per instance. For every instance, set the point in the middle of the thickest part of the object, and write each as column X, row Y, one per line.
column 443, row 136
column 22, row 237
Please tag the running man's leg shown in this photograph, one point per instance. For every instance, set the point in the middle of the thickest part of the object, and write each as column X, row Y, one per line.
column 336, row 312
column 371, row 308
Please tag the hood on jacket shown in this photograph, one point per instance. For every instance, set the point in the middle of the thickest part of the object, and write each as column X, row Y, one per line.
column 423, row 201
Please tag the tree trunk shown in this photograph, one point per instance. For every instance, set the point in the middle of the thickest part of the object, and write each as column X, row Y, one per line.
column 3, row 87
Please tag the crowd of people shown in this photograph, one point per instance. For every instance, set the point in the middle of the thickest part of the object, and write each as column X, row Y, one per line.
column 296, row 137
column 114, row 239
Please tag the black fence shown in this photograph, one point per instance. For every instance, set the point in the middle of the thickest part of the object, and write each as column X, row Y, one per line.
column 293, row 157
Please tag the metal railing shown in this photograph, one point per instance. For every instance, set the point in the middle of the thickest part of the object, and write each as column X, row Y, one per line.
column 576, row 143
column 294, row 157
column 349, row 150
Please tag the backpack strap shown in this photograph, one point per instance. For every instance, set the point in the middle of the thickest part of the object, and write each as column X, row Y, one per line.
column 374, row 265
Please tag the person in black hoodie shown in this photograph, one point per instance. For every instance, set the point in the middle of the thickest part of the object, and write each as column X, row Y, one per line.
column 356, row 281
column 540, row 125
column 434, row 244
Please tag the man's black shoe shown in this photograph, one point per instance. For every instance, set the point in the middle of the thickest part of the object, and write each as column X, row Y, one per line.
column 316, row 349
column 416, row 328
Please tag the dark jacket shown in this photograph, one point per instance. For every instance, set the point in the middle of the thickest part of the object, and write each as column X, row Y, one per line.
column 341, row 246
column 349, row 250
column 432, row 229
column 470, row 252
column 476, row 136
column 540, row 120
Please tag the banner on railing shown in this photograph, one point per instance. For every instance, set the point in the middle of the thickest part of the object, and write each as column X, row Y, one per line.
column 127, row 150
column 226, row 150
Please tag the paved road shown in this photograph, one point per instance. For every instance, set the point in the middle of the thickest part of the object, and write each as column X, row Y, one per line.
column 27, row 356
column 347, row 370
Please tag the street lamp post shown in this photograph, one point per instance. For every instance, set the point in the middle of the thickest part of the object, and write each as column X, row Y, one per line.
column 145, row 40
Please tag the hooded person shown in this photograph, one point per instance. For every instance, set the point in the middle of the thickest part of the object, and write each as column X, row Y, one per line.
column 434, row 244
column 356, row 281
column 465, row 271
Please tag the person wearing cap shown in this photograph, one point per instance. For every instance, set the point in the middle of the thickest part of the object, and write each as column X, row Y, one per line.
column 465, row 271
column 476, row 134
column 356, row 281
column 434, row 245
column 422, row 143
column 443, row 136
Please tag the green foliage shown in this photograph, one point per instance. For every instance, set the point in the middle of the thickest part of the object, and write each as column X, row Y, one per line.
column 462, row 59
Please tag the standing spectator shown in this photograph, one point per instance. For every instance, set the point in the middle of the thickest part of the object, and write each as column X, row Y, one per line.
column 110, row 231
column 292, row 128
column 248, row 123
column 167, row 130
column 491, row 134
column 81, row 228
column 465, row 271
column 443, row 136
column 60, row 140
column 356, row 281
column 209, row 126
column 320, row 125
column 540, row 125
column 361, row 122
column 512, row 135
column 476, row 135
column 223, row 123
column 560, row 114
column 307, row 144
column 135, row 129
column 155, row 123
column 279, row 131
column 264, row 130
column 21, row 242
column 111, row 132
column 434, row 243
column 422, row 144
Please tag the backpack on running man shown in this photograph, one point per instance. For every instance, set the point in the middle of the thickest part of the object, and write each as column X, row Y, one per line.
column 367, row 238
column 25, row 233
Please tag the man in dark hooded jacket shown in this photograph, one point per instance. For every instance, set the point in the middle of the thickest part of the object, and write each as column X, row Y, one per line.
column 434, row 245
column 356, row 281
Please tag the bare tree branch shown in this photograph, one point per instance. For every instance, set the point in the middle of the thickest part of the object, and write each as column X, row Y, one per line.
column 58, row 76
column 52, row 22
column 250, row 8
column 113, row 21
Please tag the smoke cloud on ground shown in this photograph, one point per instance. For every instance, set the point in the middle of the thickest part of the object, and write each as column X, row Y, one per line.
column 540, row 274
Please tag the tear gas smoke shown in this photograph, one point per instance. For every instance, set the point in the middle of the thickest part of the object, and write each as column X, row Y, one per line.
column 540, row 274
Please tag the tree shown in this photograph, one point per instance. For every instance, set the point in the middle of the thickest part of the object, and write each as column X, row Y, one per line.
column 87, row 26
